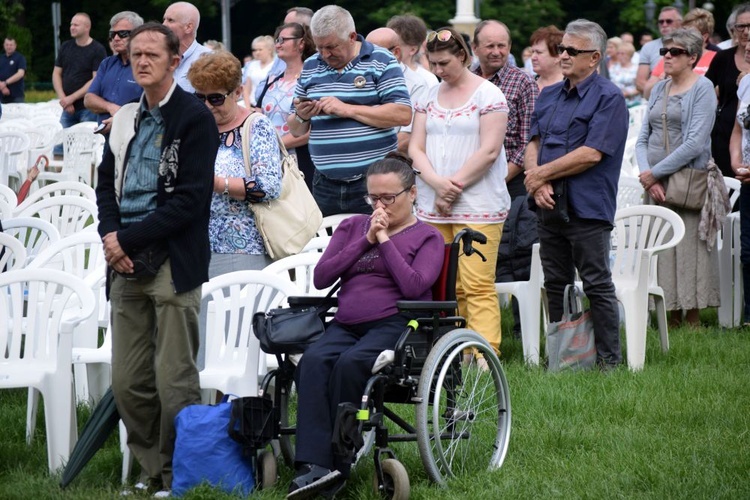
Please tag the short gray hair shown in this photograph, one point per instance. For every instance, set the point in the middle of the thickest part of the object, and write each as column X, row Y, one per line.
column 332, row 20
column 591, row 31
column 126, row 15
column 689, row 39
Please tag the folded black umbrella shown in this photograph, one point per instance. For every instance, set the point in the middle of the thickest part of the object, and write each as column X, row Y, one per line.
column 98, row 428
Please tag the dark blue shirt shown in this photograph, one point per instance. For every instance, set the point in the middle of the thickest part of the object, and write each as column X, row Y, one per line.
column 592, row 114
column 114, row 82
column 9, row 66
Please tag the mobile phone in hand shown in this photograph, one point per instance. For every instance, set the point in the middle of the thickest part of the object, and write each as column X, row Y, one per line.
column 100, row 128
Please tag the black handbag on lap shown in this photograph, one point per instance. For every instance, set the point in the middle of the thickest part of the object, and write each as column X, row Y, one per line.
column 290, row 330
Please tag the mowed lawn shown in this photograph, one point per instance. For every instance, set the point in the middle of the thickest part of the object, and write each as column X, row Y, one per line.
column 678, row 429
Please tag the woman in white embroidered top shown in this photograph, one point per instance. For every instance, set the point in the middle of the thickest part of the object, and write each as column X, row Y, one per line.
column 457, row 144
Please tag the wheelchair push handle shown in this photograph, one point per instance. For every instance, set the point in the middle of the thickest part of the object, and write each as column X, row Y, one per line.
column 467, row 237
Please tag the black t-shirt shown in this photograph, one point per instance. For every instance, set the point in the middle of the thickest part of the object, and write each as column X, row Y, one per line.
column 78, row 65
column 723, row 73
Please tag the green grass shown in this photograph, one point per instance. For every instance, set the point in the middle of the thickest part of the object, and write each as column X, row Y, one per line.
column 33, row 96
column 678, row 429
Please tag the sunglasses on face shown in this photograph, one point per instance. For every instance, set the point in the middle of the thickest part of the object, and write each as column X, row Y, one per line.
column 673, row 51
column 386, row 199
column 572, row 52
column 120, row 33
column 666, row 21
column 213, row 99
column 442, row 35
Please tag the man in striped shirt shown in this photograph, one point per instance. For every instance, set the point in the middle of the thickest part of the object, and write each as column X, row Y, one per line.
column 351, row 97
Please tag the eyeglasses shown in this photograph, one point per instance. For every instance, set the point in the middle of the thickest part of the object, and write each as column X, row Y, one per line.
column 386, row 199
column 673, row 51
column 572, row 52
column 741, row 27
column 666, row 21
column 442, row 35
column 120, row 33
column 280, row 40
column 214, row 100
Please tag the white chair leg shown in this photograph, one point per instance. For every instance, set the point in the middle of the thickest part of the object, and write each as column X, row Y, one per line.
column 636, row 318
column 32, row 407
column 60, row 421
column 99, row 376
column 530, row 312
column 80, row 378
column 127, row 457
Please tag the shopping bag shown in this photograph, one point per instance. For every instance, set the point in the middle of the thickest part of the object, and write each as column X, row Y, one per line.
column 204, row 451
column 570, row 342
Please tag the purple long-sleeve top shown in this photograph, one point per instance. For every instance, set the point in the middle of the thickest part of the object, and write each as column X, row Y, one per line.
column 375, row 276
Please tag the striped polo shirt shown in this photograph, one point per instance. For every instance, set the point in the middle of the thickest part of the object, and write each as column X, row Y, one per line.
column 344, row 147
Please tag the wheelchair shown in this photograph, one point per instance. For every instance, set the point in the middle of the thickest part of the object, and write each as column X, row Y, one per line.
column 462, row 412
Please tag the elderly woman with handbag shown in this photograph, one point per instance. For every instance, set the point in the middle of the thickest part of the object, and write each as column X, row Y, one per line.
column 674, row 156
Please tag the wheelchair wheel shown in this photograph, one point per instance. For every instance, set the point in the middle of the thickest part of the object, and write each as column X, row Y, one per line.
column 463, row 417
column 396, row 484
column 267, row 474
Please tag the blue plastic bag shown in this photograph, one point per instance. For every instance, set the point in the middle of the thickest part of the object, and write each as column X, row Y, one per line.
column 204, row 452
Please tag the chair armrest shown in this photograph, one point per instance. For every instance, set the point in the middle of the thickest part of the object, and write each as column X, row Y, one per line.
column 427, row 305
column 308, row 300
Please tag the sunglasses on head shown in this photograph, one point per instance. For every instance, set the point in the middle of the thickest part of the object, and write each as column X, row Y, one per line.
column 213, row 99
column 120, row 33
column 572, row 52
column 442, row 35
column 673, row 51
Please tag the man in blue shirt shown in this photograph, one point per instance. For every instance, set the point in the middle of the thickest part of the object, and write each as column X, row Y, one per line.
column 572, row 163
column 183, row 18
column 114, row 84
column 350, row 96
column 12, row 71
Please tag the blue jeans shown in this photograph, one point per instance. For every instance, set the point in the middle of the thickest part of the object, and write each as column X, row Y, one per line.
column 68, row 120
column 583, row 244
column 340, row 196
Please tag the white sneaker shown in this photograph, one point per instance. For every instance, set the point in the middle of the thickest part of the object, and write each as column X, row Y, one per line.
column 163, row 494
column 138, row 487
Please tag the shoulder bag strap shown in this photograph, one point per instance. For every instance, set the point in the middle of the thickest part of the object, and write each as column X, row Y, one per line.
column 247, row 132
column 259, row 102
column 664, row 116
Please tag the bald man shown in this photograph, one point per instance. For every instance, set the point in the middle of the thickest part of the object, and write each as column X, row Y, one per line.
column 183, row 19
column 416, row 84
column 75, row 68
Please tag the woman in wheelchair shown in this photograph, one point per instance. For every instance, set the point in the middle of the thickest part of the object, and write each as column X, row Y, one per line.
column 380, row 259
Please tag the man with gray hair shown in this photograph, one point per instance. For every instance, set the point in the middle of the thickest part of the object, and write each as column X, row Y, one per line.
column 572, row 162
column 114, row 84
column 349, row 97
column 183, row 18
column 669, row 20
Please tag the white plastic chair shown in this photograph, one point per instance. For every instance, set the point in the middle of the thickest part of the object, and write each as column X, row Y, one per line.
column 318, row 244
column 630, row 192
column 529, row 297
column 69, row 214
column 6, row 209
column 14, row 147
column 299, row 269
column 81, row 149
column 641, row 233
column 730, row 268
column 12, row 253
column 62, row 188
column 331, row 222
column 8, row 195
column 81, row 255
column 34, row 233
column 233, row 355
column 37, row 346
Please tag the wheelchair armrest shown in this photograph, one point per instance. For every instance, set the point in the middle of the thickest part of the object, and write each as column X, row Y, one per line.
column 307, row 300
column 427, row 305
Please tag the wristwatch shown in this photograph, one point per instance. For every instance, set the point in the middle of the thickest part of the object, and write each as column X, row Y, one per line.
column 300, row 119
column 226, row 186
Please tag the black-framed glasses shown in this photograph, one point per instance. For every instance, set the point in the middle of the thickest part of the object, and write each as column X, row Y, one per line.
column 673, row 51
column 213, row 99
column 741, row 27
column 572, row 51
column 385, row 199
column 281, row 39
column 442, row 35
column 120, row 33
column 666, row 21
